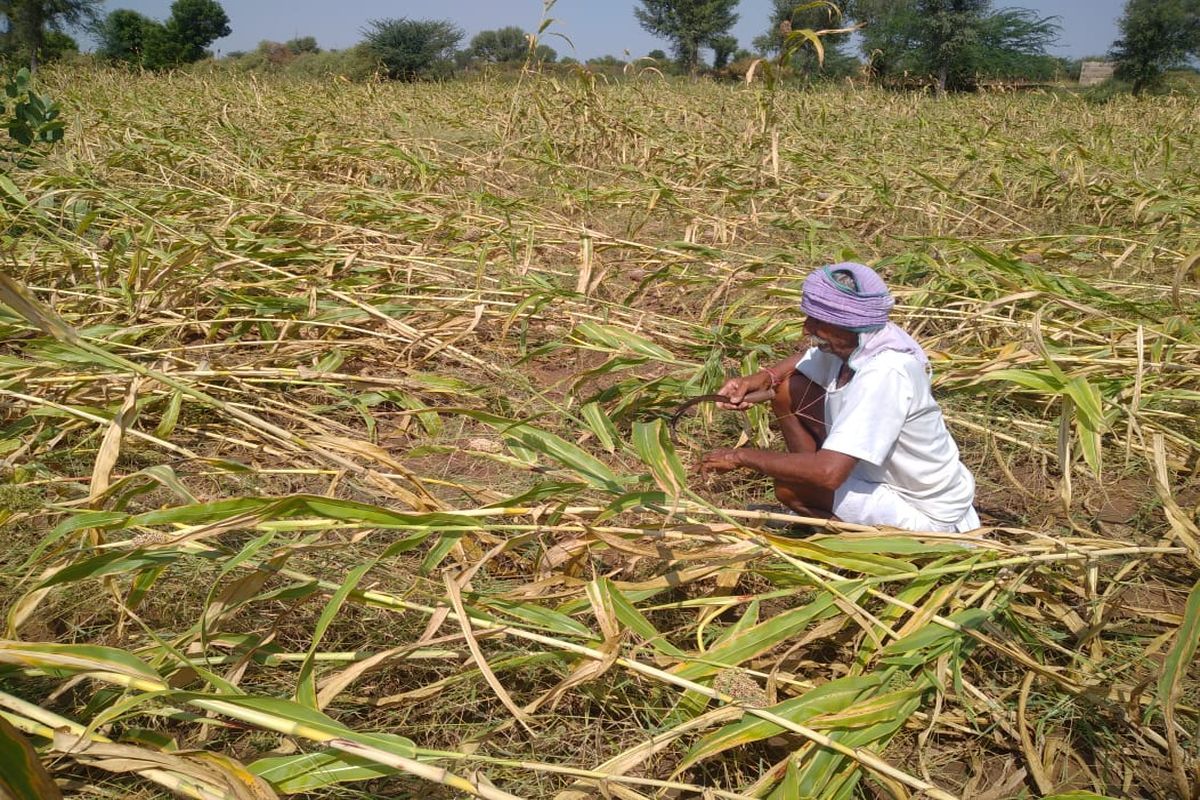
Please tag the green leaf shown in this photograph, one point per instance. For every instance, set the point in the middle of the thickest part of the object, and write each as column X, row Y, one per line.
column 10, row 190
column 294, row 719
column 587, row 467
column 630, row 617
column 77, row 658
column 866, row 563
column 821, row 775
column 827, row 698
column 796, row 40
column 112, row 563
column 934, row 636
column 870, row 711
column 653, row 446
column 599, row 424
column 90, row 519
column 544, row 618
column 306, row 682
column 621, row 339
column 653, row 500
column 748, row 619
column 441, row 548
column 1089, row 419
column 201, row 513
column 889, row 545
column 22, row 774
column 1031, row 379
column 305, row 773
column 762, row 637
column 1183, row 651
column 170, row 417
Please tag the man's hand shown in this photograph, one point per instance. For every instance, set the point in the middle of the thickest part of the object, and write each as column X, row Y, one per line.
column 716, row 462
column 737, row 388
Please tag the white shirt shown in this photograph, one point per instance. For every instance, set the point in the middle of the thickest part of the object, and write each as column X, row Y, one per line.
column 886, row 417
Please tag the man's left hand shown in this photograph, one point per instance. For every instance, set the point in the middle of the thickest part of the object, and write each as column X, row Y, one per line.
column 718, row 461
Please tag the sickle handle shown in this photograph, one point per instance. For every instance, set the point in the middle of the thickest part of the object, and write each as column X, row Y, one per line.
column 762, row 395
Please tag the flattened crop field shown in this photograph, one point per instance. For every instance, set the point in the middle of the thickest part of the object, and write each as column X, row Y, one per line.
column 333, row 460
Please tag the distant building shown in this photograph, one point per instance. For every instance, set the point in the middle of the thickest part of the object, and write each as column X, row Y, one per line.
column 1093, row 73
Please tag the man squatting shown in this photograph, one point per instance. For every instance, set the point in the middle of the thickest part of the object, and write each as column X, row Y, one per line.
column 866, row 440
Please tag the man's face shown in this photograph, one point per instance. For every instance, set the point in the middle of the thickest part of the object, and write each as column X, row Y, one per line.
column 830, row 338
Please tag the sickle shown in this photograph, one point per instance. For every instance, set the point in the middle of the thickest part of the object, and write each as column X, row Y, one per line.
column 752, row 398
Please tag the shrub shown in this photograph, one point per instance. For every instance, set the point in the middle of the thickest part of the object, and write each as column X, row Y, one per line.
column 413, row 49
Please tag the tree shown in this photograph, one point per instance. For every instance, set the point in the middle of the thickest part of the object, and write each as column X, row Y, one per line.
column 723, row 47
column 1012, row 44
column 501, row 46
column 129, row 37
column 29, row 21
column 193, row 26
column 607, row 60
column 950, row 32
column 122, row 35
column 687, row 24
column 955, row 41
column 657, row 55
column 789, row 15
column 506, row 46
column 889, row 35
column 57, row 44
column 410, row 49
column 1155, row 36
column 302, row 44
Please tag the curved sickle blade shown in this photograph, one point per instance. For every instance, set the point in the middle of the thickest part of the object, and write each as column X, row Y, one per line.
column 752, row 398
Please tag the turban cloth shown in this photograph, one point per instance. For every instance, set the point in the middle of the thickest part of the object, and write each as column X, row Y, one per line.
column 861, row 304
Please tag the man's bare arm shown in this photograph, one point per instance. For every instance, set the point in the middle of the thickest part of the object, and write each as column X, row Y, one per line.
column 827, row 469
column 767, row 377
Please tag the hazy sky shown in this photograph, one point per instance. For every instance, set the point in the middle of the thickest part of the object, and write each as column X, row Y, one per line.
column 595, row 27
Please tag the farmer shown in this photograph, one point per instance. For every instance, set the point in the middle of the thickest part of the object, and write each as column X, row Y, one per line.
column 866, row 441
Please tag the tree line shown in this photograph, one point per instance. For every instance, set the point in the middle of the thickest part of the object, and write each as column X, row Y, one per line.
column 34, row 31
column 952, row 43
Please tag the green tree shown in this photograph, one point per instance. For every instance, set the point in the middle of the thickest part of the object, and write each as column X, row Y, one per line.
column 687, row 24
column 410, row 49
column 501, row 46
column 135, row 39
column 1012, row 44
column 57, row 44
column 606, row 60
column 889, row 37
column 505, row 46
column 723, row 47
column 28, row 22
column 954, row 41
column 790, row 15
column 302, row 44
column 950, row 32
column 122, row 36
column 192, row 27
column 1155, row 36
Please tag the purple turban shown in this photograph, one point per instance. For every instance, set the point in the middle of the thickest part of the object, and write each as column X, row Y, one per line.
column 848, row 295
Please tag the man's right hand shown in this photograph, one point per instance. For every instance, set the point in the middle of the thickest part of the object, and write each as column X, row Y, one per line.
column 737, row 388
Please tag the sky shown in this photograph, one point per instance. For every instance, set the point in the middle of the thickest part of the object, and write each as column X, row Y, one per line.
column 594, row 27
